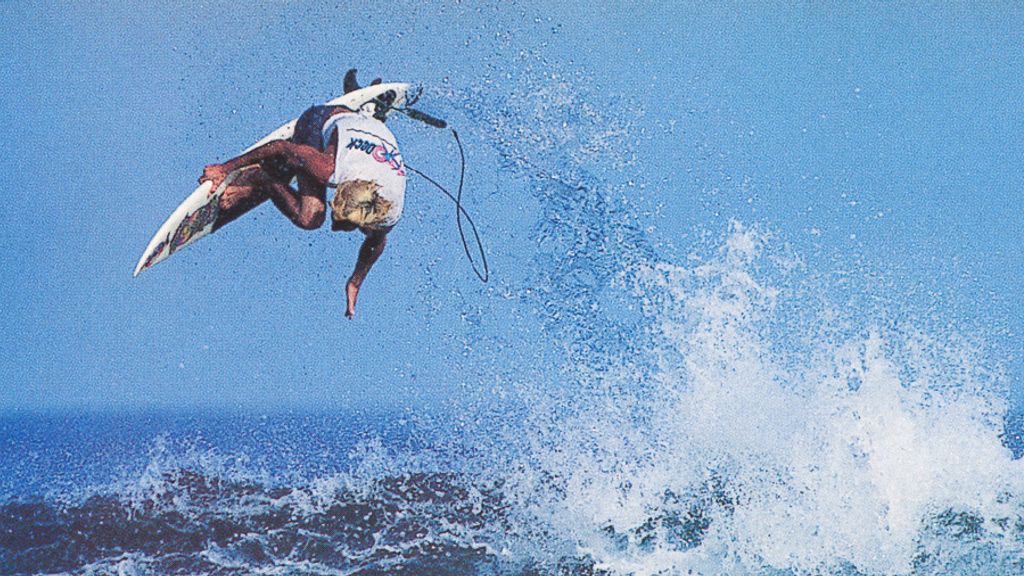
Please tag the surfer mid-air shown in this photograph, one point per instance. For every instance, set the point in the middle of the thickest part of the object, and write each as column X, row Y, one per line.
column 336, row 147
column 342, row 146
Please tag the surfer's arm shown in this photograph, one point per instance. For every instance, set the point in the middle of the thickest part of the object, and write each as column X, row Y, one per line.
column 369, row 252
column 305, row 159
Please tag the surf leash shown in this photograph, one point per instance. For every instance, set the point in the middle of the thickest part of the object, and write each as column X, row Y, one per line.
column 480, row 268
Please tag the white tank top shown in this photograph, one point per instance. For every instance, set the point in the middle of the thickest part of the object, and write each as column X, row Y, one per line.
column 367, row 150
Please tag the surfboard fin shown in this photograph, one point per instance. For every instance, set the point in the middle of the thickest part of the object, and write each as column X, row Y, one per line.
column 350, row 84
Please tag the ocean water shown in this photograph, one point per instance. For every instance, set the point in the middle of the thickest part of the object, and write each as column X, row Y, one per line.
column 727, row 411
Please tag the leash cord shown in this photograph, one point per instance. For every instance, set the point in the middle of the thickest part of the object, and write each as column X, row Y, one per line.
column 461, row 212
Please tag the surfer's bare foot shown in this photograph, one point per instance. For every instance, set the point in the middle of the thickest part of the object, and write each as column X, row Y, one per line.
column 214, row 173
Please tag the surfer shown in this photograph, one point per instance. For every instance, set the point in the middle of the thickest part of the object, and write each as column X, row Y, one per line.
column 333, row 147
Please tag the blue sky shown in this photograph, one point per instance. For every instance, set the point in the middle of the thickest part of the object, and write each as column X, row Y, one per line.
column 876, row 138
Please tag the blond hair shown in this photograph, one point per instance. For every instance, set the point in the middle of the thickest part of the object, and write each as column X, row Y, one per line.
column 357, row 204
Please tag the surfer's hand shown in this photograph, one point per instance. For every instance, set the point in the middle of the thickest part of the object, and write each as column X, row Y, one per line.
column 214, row 173
column 351, row 293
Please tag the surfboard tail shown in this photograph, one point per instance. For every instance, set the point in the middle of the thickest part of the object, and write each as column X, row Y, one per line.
column 192, row 220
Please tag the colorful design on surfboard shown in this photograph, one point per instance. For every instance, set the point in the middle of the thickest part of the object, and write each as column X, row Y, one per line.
column 194, row 223
column 156, row 253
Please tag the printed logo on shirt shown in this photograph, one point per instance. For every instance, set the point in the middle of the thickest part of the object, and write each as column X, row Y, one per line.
column 380, row 153
column 362, row 145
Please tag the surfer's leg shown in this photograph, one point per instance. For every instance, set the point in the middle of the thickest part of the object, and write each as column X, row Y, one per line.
column 305, row 208
column 246, row 193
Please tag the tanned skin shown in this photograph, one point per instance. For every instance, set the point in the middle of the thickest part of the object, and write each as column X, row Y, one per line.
column 305, row 207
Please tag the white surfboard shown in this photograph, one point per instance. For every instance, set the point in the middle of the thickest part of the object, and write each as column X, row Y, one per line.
column 195, row 217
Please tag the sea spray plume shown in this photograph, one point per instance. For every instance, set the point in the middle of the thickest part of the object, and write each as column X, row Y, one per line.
column 747, row 462
column 571, row 155
column 576, row 160
column 748, row 421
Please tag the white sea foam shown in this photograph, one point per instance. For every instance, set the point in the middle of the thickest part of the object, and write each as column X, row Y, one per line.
column 755, row 418
column 835, row 449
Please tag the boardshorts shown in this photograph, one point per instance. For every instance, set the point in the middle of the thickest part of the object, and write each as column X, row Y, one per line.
column 307, row 132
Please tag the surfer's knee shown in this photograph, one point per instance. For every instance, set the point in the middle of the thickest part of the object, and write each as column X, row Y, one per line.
column 237, row 196
column 310, row 219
